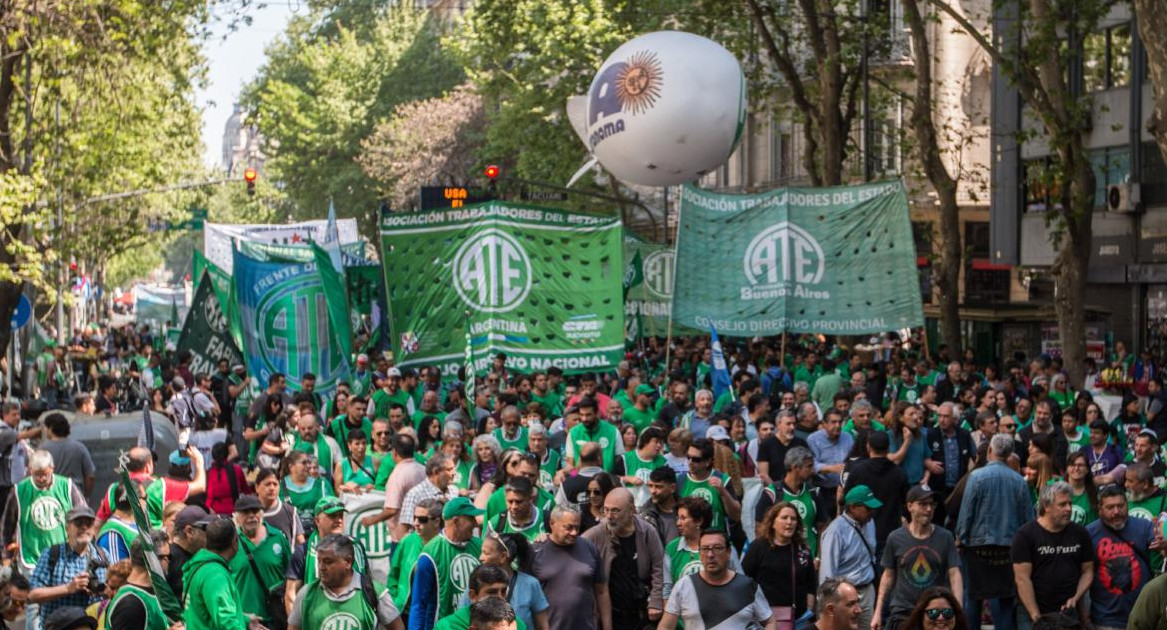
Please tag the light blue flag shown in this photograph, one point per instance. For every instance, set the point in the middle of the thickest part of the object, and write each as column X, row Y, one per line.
column 720, row 372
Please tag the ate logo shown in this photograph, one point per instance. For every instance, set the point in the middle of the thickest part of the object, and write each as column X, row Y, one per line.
column 492, row 272
column 341, row 621
column 46, row 513
column 460, row 570
column 658, row 273
column 213, row 313
column 783, row 260
column 296, row 337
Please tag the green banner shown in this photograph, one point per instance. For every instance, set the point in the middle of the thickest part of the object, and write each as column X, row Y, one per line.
column 351, row 253
column 366, row 302
column 543, row 286
column 651, row 297
column 285, row 323
column 802, row 260
column 206, row 333
column 220, row 279
column 335, row 294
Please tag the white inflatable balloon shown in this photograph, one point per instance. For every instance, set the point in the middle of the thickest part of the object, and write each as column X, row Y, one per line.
column 666, row 108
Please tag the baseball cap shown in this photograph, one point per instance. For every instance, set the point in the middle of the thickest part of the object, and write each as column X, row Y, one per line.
column 460, row 506
column 178, row 459
column 191, row 515
column 68, row 618
column 717, row 433
column 392, row 372
column 80, row 511
column 328, row 505
column 644, row 389
column 921, row 493
column 248, row 503
column 863, row 496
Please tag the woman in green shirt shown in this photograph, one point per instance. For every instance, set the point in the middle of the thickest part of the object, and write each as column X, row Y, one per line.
column 299, row 487
column 358, row 471
column 1084, row 496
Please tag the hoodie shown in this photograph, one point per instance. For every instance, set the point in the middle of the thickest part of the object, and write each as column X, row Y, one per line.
column 211, row 601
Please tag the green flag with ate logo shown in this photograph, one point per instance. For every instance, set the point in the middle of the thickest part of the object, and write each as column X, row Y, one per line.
column 649, row 301
column 804, row 260
column 543, row 286
column 286, row 324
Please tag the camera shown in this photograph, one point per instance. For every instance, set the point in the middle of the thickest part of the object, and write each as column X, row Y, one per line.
column 96, row 561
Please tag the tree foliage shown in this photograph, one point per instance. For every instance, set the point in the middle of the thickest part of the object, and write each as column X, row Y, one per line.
column 335, row 75
column 435, row 141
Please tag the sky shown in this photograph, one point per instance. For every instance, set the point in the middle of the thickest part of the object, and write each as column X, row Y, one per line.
column 233, row 60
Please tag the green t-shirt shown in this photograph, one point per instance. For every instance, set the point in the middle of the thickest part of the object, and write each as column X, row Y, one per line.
column 401, row 564
column 1081, row 512
column 549, row 465
column 362, row 475
column 460, row 620
column 421, row 415
column 807, row 513
column 503, row 524
column 304, row 499
column 552, row 403
column 382, row 399
column 323, row 612
column 634, row 466
column 692, row 488
column 802, row 374
column 451, row 561
column 271, row 556
column 682, row 560
column 340, row 430
column 605, row 433
column 639, row 419
column 1149, row 509
column 155, row 617
column 497, row 503
column 876, row 425
column 383, row 471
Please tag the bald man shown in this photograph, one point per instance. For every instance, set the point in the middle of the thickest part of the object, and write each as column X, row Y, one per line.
column 625, row 536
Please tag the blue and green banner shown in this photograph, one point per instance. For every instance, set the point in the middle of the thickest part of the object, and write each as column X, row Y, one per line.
column 285, row 323
column 836, row 260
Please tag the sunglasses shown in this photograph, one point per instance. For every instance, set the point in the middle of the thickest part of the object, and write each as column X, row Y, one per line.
column 1008, row 426
column 696, row 458
column 935, row 614
column 422, row 520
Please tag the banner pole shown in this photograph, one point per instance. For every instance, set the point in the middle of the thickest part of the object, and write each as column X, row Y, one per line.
column 673, row 288
column 782, row 356
column 927, row 352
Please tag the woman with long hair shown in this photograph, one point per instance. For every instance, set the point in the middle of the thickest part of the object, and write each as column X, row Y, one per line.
column 937, row 609
column 512, row 553
column 508, row 467
column 628, row 435
column 429, row 437
column 1004, row 404
column 598, row 489
column 1039, row 471
column 908, row 452
column 1084, row 496
column 337, row 408
column 780, row 561
column 682, row 554
column 298, row 486
column 225, row 481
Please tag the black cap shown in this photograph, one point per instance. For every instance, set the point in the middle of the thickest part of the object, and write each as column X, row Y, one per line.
column 247, row 503
column 191, row 515
column 69, row 618
column 921, row 493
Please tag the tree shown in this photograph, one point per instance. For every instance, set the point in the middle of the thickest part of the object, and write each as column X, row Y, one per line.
column 332, row 78
column 435, row 141
column 1152, row 21
column 1037, row 55
column 95, row 97
column 817, row 47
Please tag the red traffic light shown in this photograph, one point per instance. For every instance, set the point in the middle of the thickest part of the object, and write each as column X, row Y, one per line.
column 249, row 175
column 492, row 172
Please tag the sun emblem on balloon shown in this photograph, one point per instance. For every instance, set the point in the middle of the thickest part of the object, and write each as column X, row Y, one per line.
column 638, row 84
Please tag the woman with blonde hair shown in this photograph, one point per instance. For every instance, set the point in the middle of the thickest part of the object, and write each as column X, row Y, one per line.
column 1039, row 471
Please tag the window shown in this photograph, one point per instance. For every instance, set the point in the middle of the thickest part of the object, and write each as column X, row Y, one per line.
column 1043, row 187
column 1111, row 166
column 1106, row 58
column 885, row 144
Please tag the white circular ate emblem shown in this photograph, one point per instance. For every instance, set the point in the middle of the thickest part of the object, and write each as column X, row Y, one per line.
column 491, row 272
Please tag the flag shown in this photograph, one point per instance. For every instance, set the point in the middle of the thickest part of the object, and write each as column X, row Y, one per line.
column 331, row 232
column 147, row 429
column 166, row 597
column 328, row 265
column 719, row 373
column 633, row 273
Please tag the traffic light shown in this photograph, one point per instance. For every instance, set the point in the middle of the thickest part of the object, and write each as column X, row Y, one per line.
column 249, row 176
column 492, row 173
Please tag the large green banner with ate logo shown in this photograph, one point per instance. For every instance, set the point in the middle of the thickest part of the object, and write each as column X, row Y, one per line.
column 543, row 286
column 803, row 260
column 284, row 317
column 648, row 302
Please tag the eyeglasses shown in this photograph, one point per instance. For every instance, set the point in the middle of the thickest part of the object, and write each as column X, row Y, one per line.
column 696, row 458
column 380, row 433
column 421, row 520
column 714, row 549
column 935, row 614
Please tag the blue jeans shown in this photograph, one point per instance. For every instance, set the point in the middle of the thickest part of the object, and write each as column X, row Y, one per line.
column 1003, row 610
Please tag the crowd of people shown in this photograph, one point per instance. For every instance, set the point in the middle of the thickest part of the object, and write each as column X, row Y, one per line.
column 828, row 487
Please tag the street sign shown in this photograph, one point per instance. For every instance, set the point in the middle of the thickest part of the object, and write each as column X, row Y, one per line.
column 23, row 313
column 529, row 194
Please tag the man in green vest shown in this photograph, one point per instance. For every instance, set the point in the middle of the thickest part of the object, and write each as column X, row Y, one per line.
column 430, row 406
column 512, row 433
column 713, row 486
column 521, row 516
column 135, row 605
column 442, row 574
column 390, row 392
column 591, row 429
column 328, row 515
column 311, row 441
column 37, row 520
column 639, row 414
column 210, row 599
column 262, row 559
column 342, row 599
column 488, row 584
column 352, row 420
column 427, row 520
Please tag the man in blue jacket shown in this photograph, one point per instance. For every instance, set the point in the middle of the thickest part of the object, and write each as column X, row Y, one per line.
column 997, row 502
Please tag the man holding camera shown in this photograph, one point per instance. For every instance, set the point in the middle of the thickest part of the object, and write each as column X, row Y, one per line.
column 71, row 573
